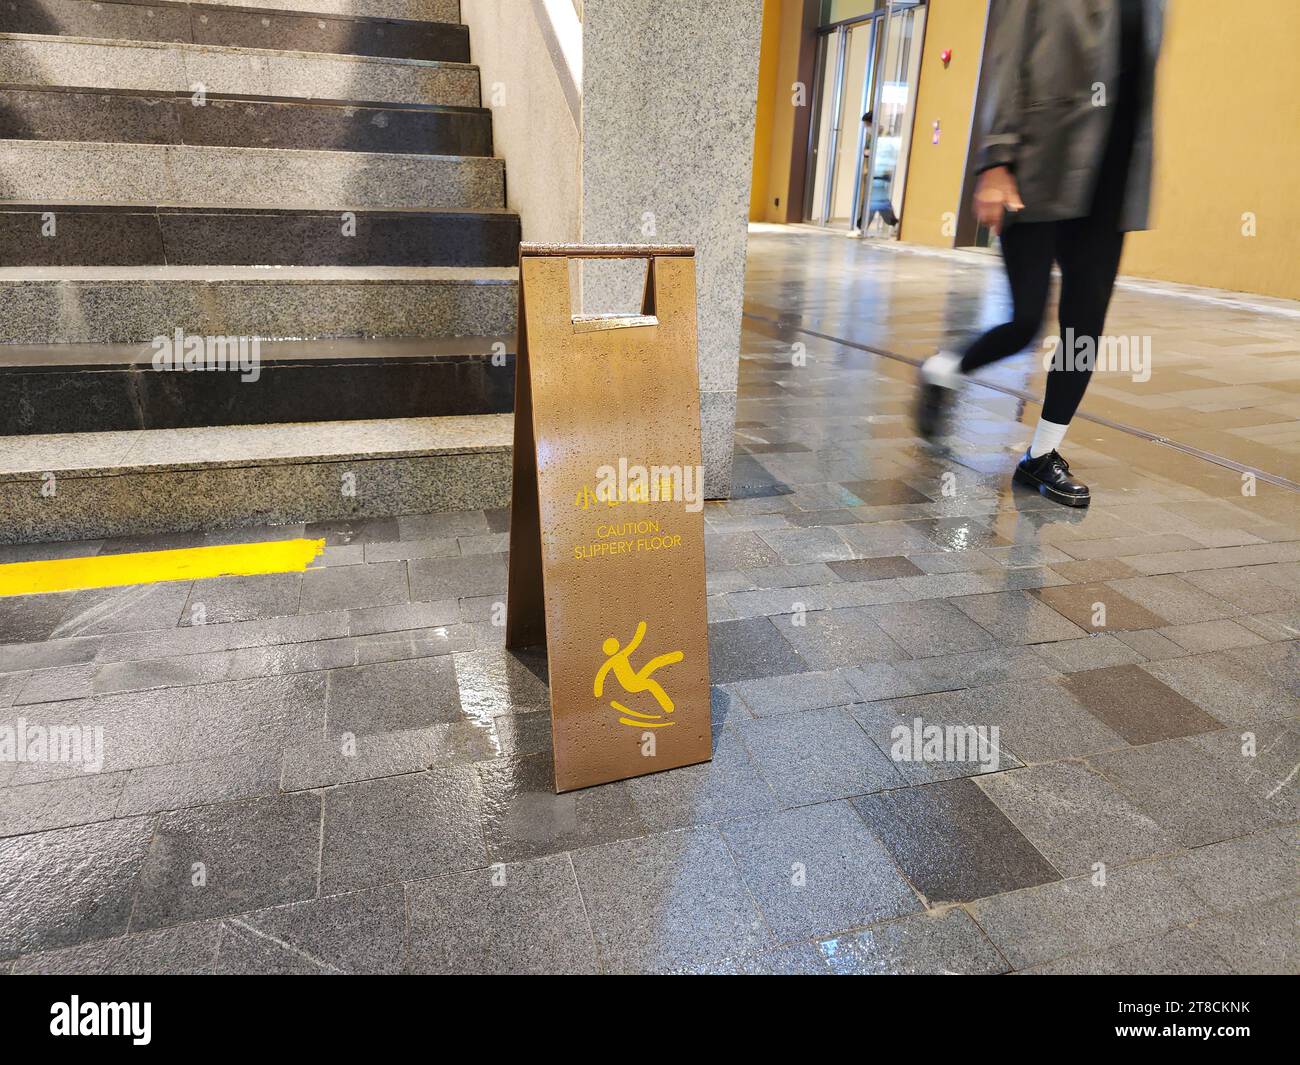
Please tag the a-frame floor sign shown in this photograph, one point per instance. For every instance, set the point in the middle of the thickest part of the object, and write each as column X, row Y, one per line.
column 607, row 522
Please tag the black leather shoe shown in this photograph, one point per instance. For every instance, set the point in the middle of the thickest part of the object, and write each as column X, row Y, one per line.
column 1050, row 476
column 932, row 405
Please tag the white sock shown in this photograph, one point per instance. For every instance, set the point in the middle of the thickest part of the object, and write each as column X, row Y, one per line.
column 943, row 369
column 1047, row 437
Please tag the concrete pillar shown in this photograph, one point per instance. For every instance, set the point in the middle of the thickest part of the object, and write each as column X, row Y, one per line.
column 668, row 101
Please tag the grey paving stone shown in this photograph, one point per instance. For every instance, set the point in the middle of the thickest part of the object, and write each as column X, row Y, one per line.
column 199, row 782
column 1203, row 636
column 1098, row 651
column 20, row 657
column 794, row 692
column 188, row 949
column 1237, row 872
column 443, row 526
column 799, row 546
column 340, row 555
column 69, row 885
column 401, row 828
column 1099, row 608
column 25, row 618
column 12, row 683
column 362, row 932
column 802, row 576
column 816, row 869
column 407, row 549
column 240, row 664
column 1136, row 705
column 519, row 735
column 1177, row 952
column 875, row 569
column 1253, row 588
column 483, row 544
column 720, row 582
column 202, row 639
column 1074, row 817
column 831, row 639
column 880, row 539
column 526, row 917
column 931, row 943
column 52, row 685
column 929, row 627
column 352, row 531
column 1257, row 941
column 524, row 818
column 218, row 860
column 1174, row 599
column 668, row 902
column 1017, row 617
column 454, row 578
column 890, row 680
column 392, row 696
column 1072, row 916
column 75, row 800
column 817, row 756
column 1195, row 798
column 319, row 763
column 132, row 609
column 224, row 599
column 798, row 959
column 727, row 787
column 743, row 650
column 404, row 616
column 1151, row 645
column 493, row 682
column 354, row 587
column 1263, row 758
column 952, row 842
column 414, row 643
column 738, row 550
column 901, row 729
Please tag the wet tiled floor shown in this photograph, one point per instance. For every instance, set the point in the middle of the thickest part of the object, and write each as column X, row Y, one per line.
column 343, row 770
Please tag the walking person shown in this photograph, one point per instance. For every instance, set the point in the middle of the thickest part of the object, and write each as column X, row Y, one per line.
column 1064, row 173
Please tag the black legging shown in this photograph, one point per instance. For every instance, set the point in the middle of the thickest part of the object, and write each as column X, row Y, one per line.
column 1088, row 250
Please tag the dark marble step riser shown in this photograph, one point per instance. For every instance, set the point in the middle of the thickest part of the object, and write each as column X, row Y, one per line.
column 233, row 27
column 100, row 400
column 119, row 238
column 145, row 119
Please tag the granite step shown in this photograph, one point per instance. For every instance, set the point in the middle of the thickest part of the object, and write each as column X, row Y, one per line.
column 143, row 235
column 87, row 173
column 37, row 59
column 221, row 24
column 75, row 486
column 144, row 116
column 71, row 388
column 79, row 304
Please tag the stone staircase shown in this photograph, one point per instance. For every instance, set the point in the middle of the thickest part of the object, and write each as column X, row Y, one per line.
column 317, row 174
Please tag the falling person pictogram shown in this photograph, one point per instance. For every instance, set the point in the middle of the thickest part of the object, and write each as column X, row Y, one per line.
column 633, row 681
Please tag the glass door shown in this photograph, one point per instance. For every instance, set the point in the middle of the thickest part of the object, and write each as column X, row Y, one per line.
column 894, row 110
column 838, row 136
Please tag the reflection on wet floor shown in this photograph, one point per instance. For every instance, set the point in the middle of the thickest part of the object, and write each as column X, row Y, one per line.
column 1224, row 371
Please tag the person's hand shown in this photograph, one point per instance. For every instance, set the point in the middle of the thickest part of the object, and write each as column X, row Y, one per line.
column 996, row 192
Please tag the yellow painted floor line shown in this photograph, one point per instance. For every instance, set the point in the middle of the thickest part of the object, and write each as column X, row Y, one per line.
column 153, row 567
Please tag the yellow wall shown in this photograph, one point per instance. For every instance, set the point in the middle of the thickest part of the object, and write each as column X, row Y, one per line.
column 1227, row 142
column 777, row 73
column 934, row 174
column 765, row 119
